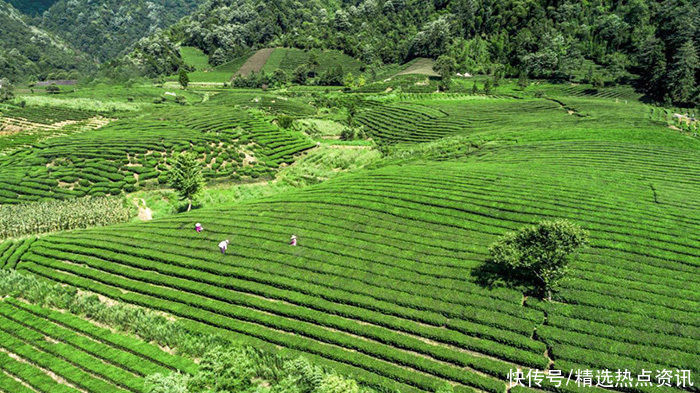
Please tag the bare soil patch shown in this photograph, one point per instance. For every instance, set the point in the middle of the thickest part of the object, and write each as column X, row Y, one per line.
column 255, row 63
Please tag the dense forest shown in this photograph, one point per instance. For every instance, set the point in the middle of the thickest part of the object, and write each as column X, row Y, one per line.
column 653, row 44
column 57, row 39
column 106, row 28
column 30, row 53
column 32, row 7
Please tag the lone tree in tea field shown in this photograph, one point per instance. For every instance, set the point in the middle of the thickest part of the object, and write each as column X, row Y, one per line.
column 539, row 254
column 183, row 78
column 186, row 177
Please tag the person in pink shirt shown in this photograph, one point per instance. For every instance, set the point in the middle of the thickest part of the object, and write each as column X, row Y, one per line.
column 293, row 241
column 198, row 227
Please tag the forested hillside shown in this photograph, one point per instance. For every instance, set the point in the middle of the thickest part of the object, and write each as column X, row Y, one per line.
column 600, row 41
column 27, row 52
column 32, row 7
column 105, row 28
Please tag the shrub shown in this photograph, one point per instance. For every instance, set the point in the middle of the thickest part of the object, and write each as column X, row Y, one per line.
column 285, row 121
column 171, row 383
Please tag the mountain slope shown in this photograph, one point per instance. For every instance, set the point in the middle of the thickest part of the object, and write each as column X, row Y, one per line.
column 104, row 29
column 28, row 52
column 32, row 7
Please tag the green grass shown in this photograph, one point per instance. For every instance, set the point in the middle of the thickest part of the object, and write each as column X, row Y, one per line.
column 194, row 57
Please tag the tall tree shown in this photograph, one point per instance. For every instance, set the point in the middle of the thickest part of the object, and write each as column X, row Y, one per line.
column 183, row 78
column 445, row 66
column 186, row 177
column 652, row 63
column 682, row 82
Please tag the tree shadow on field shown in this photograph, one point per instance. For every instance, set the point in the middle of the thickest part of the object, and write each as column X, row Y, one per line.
column 491, row 275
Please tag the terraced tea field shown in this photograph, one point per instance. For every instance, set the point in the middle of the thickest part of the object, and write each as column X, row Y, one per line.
column 387, row 283
column 390, row 280
column 132, row 153
column 422, row 120
column 48, row 351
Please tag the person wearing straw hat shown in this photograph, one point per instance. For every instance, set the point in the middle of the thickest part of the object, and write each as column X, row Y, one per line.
column 223, row 246
column 293, row 241
column 198, row 227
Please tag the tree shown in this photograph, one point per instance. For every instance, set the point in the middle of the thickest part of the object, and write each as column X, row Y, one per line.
column 183, row 78
column 301, row 73
column 539, row 254
column 652, row 61
column 312, row 64
column 6, row 90
column 522, row 80
column 682, row 74
column 349, row 80
column 445, row 66
column 279, row 77
column 332, row 77
column 285, row 121
column 488, row 86
column 186, row 177
column 53, row 89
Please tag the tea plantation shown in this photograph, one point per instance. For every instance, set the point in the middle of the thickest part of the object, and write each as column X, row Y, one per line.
column 132, row 153
column 49, row 351
column 389, row 282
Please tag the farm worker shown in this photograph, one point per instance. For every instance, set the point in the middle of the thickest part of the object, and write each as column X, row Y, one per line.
column 293, row 241
column 198, row 227
column 223, row 246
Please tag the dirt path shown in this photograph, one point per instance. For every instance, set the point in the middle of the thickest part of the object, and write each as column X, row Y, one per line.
column 145, row 213
column 255, row 63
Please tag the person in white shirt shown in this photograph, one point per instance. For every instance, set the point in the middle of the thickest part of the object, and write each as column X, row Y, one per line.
column 223, row 246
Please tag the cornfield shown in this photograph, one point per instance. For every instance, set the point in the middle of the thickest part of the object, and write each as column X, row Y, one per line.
column 56, row 215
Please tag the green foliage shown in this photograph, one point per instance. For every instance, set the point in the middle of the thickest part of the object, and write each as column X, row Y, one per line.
column 170, row 383
column 106, row 29
column 285, row 121
column 540, row 253
column 186, row 177
column 6, row 90
column 34, row 7
column 53, row 89
column 48, row 216
column 183, row 79
column 301, row 74
column 488, row 86
column 337, row 384
column 28, row 52
column 446, row 66
column 224, row 370
column 523, row 81
column 684, row 87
